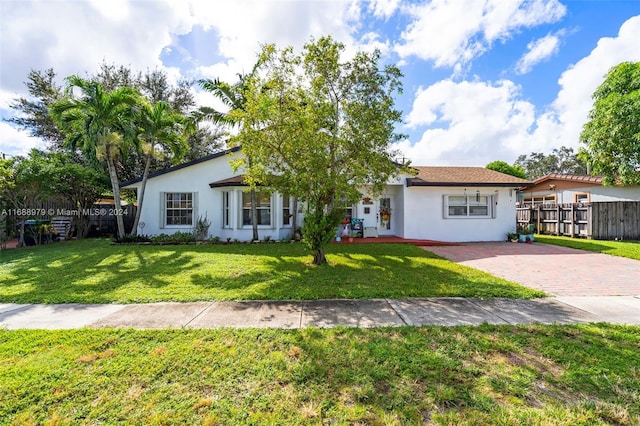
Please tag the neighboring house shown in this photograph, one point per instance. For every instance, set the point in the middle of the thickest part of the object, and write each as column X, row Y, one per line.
column 556, row 188
column 452, row 204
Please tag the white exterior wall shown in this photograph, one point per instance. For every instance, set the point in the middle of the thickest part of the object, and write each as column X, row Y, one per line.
column 394, row 191
column 196, row 179
column 417, row 211
column 424, row 216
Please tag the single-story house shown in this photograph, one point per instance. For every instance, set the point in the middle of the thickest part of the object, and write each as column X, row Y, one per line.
column 557, row 188
column 453, row 204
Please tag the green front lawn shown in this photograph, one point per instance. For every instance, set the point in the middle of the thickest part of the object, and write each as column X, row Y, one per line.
column 533, row 375
column 94, row 271
column 630, row 249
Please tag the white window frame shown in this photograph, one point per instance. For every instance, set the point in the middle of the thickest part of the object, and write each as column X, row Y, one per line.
column 242, row 208
column 468, row 206
column 287, row 214
column 164, row 199
column 226, row 209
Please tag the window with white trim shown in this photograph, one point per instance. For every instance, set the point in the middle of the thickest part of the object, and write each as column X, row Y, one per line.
column 178, row 208
column 226, row 209
column 286, row 210
column 263, row 203
column 460, row 206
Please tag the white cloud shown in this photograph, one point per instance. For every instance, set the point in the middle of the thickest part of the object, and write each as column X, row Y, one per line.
column 242, row 25
column 562, row 124
column 74, row 37
column 538, row 51
column 472, row 123
column 383, row 8
column 16, row 142
column 451, row 33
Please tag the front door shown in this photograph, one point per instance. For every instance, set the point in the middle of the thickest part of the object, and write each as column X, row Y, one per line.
column 385, row 216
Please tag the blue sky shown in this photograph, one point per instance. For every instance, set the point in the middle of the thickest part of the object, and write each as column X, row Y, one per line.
column 484, row 79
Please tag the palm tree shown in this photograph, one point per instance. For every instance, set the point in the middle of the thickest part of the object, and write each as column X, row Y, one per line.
column 233, row 96
column 94, row 121
column 160, row 131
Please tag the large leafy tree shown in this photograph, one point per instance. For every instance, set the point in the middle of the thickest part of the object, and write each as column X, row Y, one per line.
column 95, row 121
column 320, row 129
column 234, row 99
column 506, row 168
column 562, row 160
column 612, row 134
column 77, row 183
column 22, row 185
column 160, row 133
column 33, row 110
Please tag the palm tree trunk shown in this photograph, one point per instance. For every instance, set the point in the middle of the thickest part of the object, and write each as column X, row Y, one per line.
column 143, row 186
column 115, row 186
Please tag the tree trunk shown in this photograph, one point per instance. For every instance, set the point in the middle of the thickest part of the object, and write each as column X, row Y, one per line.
column 254, row 215
column 21, row 239
column 116, row 195
column 143, row 186
column 319, row 257
column 294, row 218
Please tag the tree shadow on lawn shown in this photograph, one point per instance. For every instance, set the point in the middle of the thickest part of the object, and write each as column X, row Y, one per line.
column 96, row 272
column 80, row 272
column 358, row 272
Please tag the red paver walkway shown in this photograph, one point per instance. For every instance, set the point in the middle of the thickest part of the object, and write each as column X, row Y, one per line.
column 560, row 271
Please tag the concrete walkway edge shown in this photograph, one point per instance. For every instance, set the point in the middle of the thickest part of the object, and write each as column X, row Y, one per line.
column 448, row 311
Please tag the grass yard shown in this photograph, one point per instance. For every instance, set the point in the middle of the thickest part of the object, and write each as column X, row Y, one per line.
column 94, row 271
column 630, row 249
column 571, row 375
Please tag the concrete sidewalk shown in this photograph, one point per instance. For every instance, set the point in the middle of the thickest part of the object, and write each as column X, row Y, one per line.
column 325, row 313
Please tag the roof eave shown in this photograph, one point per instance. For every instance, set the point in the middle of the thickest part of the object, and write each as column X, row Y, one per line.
column 418, row 182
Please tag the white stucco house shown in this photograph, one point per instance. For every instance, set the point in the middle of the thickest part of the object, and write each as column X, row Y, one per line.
column 453, row 204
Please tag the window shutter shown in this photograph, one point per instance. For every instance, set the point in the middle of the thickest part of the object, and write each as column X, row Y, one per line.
column 194, row 215
column 493, row 202
column 272, row 204
column 444, row 206
column 163, row 207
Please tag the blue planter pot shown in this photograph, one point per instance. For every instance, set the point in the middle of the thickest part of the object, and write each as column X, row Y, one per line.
column 525, row 238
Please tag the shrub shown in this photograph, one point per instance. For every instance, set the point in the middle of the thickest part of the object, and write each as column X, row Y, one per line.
column 130, row 238
column 201, row 228
column 175, row 238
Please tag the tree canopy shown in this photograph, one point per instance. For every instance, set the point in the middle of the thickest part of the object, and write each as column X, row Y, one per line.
column 320, row 129
column 611, row 136
column 33, row 111
column 506, row 168
column 562, row 160
column 96, row 122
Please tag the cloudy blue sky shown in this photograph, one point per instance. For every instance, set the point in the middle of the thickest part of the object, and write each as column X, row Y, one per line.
column 484, row 79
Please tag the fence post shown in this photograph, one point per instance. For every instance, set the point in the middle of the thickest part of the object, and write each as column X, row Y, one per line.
column 557, row 219
column 573, row 221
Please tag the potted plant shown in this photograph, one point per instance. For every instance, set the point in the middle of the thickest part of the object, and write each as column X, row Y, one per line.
column 352, row 235
column 513, row 237
column 525, row 233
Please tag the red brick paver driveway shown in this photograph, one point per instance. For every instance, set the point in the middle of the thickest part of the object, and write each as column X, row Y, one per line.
column 560, row 271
